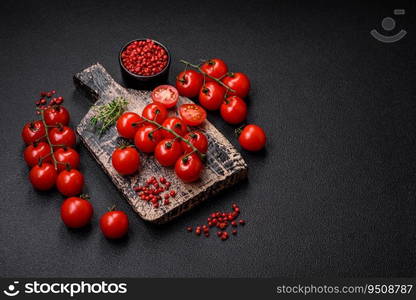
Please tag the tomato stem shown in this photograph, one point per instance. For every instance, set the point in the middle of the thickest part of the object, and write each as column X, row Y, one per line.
column 55, row 162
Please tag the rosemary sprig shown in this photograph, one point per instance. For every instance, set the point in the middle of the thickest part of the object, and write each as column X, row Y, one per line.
column 106, row 115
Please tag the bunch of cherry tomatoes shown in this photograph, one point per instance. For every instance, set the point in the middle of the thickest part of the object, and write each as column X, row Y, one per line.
column 53, row 161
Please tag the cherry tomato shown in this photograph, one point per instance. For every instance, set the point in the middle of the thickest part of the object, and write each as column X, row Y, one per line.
column 192, row 114
column 196, row 138
column 33, row 131
column 43, row 177
column 76, row 212
column 252, row 138
column 114, row 224
column 168, row 151
column 147, row 137
column 166, row 95
column 62, row 136
column 212, row 95
column 66, row 156
column 155, row 112
column 189, row 83
column 189, row 167
column 233, row 110
column 175, row 124
column 125, row 126
column 126, row 161
column 239, row 82
column 36, row 151
column 56, row 115
column 70, row 182
column 214, row 67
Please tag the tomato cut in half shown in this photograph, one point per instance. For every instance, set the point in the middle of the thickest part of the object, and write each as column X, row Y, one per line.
column 165, row 95
column 192, row 114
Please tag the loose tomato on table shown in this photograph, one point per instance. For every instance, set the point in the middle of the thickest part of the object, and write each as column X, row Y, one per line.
column 67, row 157
column 214, row 67
column 189, row 167
column 189, row 83
column 56, row 115
column 33, row 131
column 233, row 110
column 239, row 82
column 168, row 151
column 76, row 212
column 62, row 136
column 126, row 160
column 70, row 182
column 155, row 112
column 252, row 138
column 212, row 95
column 43, row 176
column 34, row 152
column 128, row 124
column 192, row 114
column 165, row 95
column 196, row 138
column 114, row 224
column 147, row 137
column 175, row 124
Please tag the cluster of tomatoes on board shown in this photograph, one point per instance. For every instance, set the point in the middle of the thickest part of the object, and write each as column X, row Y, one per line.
column 218, row 89
column 53, row 161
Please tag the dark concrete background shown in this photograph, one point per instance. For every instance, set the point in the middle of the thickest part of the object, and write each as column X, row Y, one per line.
column 333, row 194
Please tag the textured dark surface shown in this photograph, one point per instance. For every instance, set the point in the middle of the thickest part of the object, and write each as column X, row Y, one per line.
column 333, row 195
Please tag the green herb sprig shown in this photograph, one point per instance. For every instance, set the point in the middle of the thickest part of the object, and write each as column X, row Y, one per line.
column 106, row 115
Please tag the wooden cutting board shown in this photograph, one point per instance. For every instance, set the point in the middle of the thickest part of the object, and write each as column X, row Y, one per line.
column 224, row 165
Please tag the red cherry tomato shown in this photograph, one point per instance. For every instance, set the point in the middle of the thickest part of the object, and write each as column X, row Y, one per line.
column 155, row 112
column 233, row 110
column 175, row 124
column 56, row 115
column 66, row 156
column 239, row 82
column 147, row 137
column 212, row 95
column 70, row 182
column 36, row 151
column 189, row 83
column 63, row 136
column 165, row 95
column 33, row 131
column 125, row 126
column 114, row 224
column 215, row 68
column 126, row 161
column 76, row 212
column 252, row 138
column 196, row 138
column 168, row 151
column 192, row 114
column 188, row 167
column 43, row 177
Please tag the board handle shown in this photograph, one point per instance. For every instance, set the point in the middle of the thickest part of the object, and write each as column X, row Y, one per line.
column 95, row 81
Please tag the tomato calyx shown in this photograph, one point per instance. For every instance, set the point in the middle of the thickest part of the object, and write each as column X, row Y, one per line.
column 84, row 196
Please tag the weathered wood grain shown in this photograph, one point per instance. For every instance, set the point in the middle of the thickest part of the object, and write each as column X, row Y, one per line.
column 224, row 166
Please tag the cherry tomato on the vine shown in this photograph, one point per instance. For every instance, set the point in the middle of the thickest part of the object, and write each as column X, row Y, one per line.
column 166, row 95
column 168, row 151
column 233, row 110
column 189, row 83
column 114, row 224
column 36, row 151
column 252, row 138
column 175, row 124
column 70, row 182
column 66, row 155
column 56, row 115
column 62, row 136
column 189, row 167
column 155, row 112
column 239, row 82
column 212, row 95
column 33, row 131
column 126, row 160
column 76, row 212
column 214, row 67
column 196, row 138
column 147, row 137
column 125, row 123
column 192, row 114
column 43, row 176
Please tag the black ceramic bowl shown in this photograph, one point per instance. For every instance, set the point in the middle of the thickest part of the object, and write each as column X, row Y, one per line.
column 143, row 82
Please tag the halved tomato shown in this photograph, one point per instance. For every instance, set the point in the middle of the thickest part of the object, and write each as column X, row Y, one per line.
column 192, row 114
column 166, row 95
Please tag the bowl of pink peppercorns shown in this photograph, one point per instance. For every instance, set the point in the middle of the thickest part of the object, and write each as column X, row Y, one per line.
column 144, row 63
